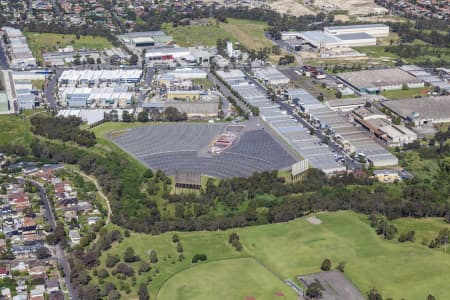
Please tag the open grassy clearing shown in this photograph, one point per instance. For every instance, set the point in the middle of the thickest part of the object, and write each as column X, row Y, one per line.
column 44, row 42
column 249, row 33
column 425, row 169
column 408, row 93
column 237, row 279
column 15, row 130
column 104, row 144
column 425, row 229
column 195, row 35
column 38, row 84
column 408, row 270
column 377, row 52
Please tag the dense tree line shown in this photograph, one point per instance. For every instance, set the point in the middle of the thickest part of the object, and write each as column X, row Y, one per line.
column 82, row 30
column 62, row 128
column 408, row 34
column 277, row 22
column 424, row 52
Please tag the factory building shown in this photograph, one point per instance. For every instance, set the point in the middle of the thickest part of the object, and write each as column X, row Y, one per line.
column 322, row 39
column 143, row 42
column 182, row 74
column 271, row 76
column 375, row 30
column 64, row 56
column 421, row 111
column 166, row 54
column 90, row 77
column 298, row 137
column 96, row 97
column 345, row 105
column 188, row 95
column 20, row 55
column 379, row 125
column 376, row 81
column 337, row 36
column 146, row 39
column 352, row 139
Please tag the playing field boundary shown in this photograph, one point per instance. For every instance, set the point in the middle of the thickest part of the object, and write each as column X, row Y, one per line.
column 219, row 260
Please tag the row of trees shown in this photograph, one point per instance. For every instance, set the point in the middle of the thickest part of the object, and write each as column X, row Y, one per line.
column 171, row 114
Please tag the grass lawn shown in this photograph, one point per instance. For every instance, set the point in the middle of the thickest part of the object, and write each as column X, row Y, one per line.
column 425, row 229
column 398, row 270
column 237, row 279
column 15, row 130
column 197, row 35
column 204, row 82
column 409, row 93
column 104, row 144
column 44, row 42
column 38, row 84
column 249, row 33
column 377, row 52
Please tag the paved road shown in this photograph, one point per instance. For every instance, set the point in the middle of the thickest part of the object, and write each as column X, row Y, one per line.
column 50, row 88
column 3, row 59
column 59, row 252
column 226, row 91
column 148, row 78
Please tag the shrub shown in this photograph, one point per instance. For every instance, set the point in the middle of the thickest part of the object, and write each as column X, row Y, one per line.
column 198, row 257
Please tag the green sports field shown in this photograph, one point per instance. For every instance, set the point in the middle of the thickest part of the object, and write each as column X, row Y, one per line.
column 398, row 270
column 236, row 278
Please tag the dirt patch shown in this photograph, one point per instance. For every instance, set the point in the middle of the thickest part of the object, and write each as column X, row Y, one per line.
column 291, row 7
column 342, row 18
column 353, row 7
column 314, row 220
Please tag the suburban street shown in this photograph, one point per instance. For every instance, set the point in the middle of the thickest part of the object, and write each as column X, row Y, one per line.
column 59, row 252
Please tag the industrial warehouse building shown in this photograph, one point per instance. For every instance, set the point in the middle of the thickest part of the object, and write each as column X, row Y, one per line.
column 96, row 97
column 182, row 74
column 375, row 81
column 353, row 139
column 340, row 36
column 166, row 54
column 122, row 76
column 376, row 30
column 20, row 55
column 294, row 134
column 271, row 76
column 321, row 39
column 381, row 127
column 145, row 39
column 421, row 111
